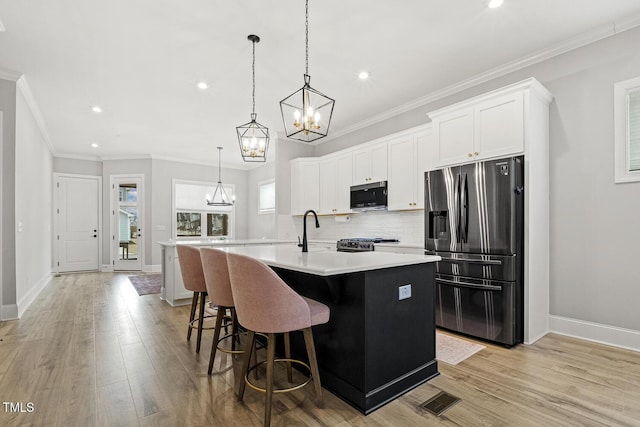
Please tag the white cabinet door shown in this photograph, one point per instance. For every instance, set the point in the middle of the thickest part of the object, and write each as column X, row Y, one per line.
column 335, row 185
column 402, row 173
column 408, row 157
column 499, row 128
column 305, row 185
column 378, row 162
column 361, row 166
column 370, row 164
column 454, row 137
column 328, row 182
column 344, row 164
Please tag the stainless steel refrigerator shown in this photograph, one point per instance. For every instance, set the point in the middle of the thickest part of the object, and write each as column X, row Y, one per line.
column 474, row 220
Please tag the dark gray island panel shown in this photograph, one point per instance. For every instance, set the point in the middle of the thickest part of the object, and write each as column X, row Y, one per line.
column 375, row 346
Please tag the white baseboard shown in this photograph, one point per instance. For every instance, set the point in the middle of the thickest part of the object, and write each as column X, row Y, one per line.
column 152, row 268
column 9, row 312
column 26, row 300
column 596, row 332
column 107, row 268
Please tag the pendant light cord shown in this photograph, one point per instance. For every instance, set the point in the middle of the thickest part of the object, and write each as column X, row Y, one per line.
column 253, row 70
column 219, row 165
column 306, row 37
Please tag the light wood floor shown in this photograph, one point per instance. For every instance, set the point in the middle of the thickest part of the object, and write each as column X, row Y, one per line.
column 90, row 351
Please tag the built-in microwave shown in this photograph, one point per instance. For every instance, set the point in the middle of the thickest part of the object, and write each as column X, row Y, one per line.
column 371, row 196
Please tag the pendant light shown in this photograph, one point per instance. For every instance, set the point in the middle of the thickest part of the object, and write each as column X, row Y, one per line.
column 220, row 197
column 253, row 137
column 306, row 113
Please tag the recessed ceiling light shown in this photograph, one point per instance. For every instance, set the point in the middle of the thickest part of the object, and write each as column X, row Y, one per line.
column 202, row 85
column 495, row 3
column 364, row 75
column 96, row 109
column 94, row 145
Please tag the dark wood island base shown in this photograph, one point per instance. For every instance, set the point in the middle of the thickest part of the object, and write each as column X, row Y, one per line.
column 375, row 347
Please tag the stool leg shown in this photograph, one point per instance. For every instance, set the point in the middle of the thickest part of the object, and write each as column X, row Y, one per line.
column 234, row 329
column 194, row 302
column 313, row 362
column 245, row 363
column 287, row 354
column 271, row 353
column 203, row 296
column 216, row 336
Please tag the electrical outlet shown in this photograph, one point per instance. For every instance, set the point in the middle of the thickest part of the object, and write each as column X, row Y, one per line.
column 404, row 292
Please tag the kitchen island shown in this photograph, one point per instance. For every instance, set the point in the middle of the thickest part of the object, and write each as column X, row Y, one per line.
column 379, row 342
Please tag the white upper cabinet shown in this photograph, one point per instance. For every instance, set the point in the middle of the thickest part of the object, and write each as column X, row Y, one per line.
column 370, row 164
column 305, row 185
column 409, row 157
column 335, row 183
column 485, row 127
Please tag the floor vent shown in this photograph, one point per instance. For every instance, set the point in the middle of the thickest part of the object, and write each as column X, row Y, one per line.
column 440, row 403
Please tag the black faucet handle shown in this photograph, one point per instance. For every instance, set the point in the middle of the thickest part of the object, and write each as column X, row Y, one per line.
column 299, row 242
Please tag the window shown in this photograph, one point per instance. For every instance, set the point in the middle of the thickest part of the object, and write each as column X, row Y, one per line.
column 627, row 130
column 267, row 193
column 194, row 218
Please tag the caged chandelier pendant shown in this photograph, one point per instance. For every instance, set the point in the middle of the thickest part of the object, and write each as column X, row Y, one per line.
column 220, row 197
column 306, row 113
column 253, row 137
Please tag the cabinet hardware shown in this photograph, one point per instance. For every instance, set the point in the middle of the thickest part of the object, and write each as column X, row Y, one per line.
column 469, row 155
column 476, row 153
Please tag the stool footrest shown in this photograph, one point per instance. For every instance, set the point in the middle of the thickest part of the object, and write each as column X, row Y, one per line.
column 281, row 390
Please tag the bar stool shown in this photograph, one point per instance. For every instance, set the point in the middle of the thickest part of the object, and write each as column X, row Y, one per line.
column 193, row 280
column 216, row 277
column 266, row 304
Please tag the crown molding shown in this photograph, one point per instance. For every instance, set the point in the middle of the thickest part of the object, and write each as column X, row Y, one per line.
column 77, row 157
column 10, row 75
column 568, row 45
column 25, row 89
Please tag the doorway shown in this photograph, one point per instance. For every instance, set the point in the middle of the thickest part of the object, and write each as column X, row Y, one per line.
column 77, row 224
column 127, row 216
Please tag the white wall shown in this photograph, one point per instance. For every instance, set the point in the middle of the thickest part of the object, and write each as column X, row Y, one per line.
column 594, row 278
column 77, row 166
column 260, row 226
column 9, row 308
column 33, row 209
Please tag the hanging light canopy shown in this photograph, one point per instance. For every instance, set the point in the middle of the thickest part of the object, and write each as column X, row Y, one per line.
column 253, row 137
column 220, row 197
column 306, row 113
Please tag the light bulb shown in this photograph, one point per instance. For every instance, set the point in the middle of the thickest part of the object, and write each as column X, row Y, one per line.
column 495, row 3
column 316, row 117
column 309, row 112
column 296, row 115
column 254, row 142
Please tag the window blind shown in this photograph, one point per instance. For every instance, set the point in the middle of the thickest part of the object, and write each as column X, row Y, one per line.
column 634, row 130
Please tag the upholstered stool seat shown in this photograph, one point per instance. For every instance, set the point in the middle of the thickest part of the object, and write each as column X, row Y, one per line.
column 266, row 304
column 193, row 280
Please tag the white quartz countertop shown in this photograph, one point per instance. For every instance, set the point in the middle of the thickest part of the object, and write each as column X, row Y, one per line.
column 327, row 262
column 225, row 242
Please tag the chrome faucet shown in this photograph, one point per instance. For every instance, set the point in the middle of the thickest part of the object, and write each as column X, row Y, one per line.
column 304, row 228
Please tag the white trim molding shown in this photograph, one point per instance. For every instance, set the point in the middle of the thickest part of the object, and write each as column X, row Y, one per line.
column 604, row 334
column 31, row 296
column 152, row 268
column 9, row 312
column 621, row 91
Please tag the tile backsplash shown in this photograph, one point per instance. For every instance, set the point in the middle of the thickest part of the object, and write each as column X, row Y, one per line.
column 408, row 227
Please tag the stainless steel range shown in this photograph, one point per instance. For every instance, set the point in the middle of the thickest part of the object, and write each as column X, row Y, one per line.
column 361, row 244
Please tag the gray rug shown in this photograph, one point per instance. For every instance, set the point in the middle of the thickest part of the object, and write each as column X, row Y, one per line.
column 454, row 350
column 146, row 284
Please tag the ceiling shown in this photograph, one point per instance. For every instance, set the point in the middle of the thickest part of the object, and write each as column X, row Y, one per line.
column 140, row 62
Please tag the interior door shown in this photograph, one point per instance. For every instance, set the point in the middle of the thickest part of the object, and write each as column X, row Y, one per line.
column 77, row 222
column 126, row 225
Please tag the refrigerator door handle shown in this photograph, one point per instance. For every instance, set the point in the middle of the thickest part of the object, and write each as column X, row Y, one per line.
column 458, row 210
column 469, row 285
column 474, row 261
column 464, row 207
